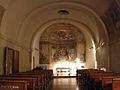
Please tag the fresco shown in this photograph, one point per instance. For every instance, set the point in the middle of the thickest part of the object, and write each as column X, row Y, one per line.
column 59, row 42
column 63, row 50
column 62, row 35
column 43, row 59
column 63, row 53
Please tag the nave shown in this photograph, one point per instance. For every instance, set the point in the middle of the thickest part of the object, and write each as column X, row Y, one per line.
column 86, row 79
column 64, row 84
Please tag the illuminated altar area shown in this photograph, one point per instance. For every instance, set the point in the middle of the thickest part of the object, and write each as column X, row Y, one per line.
column 66, row 68
column 62, row 48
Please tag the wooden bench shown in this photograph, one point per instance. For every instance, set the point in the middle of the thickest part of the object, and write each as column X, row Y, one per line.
column 96, row 81
column 93, row 79
column 107, row 82
column 30, row 81
column 43, row 77
column 116, row 84
column 84, row 76
column 13, row 85
column 37, row 81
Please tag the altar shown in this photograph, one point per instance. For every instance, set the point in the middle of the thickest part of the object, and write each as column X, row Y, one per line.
column 63, row 71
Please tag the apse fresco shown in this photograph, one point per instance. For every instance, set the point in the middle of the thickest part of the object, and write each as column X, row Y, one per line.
column 63, row 53
column 62, row 35
column 59, row 43
column 63, row 50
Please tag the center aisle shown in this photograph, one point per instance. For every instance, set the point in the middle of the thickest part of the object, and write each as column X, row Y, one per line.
column 64, row 84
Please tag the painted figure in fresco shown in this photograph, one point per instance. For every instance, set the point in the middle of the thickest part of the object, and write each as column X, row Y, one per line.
column 64, row 53
column 61, row 54
column 43, row 59
column 62, row 35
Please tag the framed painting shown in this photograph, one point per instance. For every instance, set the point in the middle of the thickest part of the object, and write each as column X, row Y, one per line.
column 9, row 61
column 16, row 62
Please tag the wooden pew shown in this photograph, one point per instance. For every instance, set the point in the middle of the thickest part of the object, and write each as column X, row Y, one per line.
column 37, row 79
column 30, row 81
column 94, row 79
column 47, row 76
column 13, row 85
column 107, row 82
column 5, row 88
column 43, row 77
column 83, row 76
column 89, row 77
column 116, row 84
column 97, row 79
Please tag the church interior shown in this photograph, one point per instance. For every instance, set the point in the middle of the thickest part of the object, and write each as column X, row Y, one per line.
column 59, row 44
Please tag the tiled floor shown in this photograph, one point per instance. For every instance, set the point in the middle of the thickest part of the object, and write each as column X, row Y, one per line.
column 64, row 84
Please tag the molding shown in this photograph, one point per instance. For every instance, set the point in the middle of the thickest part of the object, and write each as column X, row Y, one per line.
column 114, row 42
column 14, row 43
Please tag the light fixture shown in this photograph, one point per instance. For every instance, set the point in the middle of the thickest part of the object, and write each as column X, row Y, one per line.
column 63, row 12
column 100, row 45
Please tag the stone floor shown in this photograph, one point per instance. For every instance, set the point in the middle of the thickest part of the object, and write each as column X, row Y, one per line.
column 64, row 84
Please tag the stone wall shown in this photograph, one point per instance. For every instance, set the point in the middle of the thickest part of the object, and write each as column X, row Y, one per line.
column 111, row 18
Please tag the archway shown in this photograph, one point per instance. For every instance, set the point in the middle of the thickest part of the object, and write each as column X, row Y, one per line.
column 94, row 32
column 62, row 46
column 50, row 44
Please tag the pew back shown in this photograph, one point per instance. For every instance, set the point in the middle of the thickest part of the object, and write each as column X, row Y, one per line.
column 13, row 85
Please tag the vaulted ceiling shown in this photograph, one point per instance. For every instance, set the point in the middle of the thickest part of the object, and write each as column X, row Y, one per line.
column 24, row 21
column 24, row 18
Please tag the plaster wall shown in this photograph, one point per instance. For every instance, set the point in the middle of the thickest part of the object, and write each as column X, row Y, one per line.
column 115, row 56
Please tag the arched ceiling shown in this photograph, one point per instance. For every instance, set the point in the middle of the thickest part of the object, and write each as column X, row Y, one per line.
column 62, row 32
column 25, row 18
column 98, row 6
